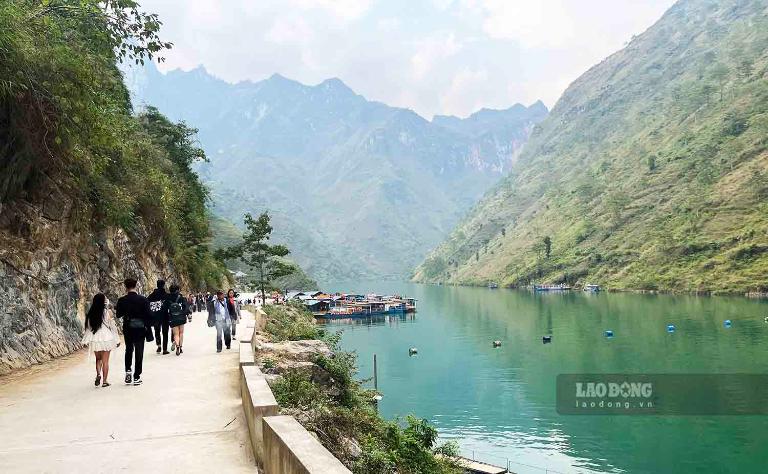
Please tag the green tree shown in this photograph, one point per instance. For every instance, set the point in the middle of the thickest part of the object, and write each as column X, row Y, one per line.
column 720, row 72
column 256, row 251
column 651, row 162
column 547, row 246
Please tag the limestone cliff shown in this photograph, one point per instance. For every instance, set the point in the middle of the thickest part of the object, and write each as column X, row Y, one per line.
column 50, row 268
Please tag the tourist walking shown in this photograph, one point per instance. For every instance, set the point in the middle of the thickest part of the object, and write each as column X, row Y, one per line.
column 233, row 308
column 134, row 310
column 159, row 316
column 100, row 336
column 209, row 299
column 177, row 310
column 219, row 316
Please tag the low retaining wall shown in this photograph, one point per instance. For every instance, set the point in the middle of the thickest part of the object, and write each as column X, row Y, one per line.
column 288, row 447
column 258, row 402
column 280, row 444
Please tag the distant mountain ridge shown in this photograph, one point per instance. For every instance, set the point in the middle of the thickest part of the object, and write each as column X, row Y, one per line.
column 651, row 171
column 356, row 188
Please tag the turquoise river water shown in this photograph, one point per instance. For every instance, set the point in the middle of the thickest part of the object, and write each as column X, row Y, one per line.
column 499, row 403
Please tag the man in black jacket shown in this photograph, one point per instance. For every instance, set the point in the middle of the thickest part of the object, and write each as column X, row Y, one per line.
column 134, row 310
column 159, row 317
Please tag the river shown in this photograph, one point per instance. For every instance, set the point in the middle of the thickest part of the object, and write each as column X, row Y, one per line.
column 499, row 403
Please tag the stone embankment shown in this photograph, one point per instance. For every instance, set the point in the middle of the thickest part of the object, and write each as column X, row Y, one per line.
column 280, row 444
column 50, row 268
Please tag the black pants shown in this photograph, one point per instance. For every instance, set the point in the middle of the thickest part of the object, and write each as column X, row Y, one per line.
column 134, row 342
column 164, row 325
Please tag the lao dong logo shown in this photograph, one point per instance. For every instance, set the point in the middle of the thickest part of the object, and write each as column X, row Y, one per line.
column 613, row 396
column 614, row 390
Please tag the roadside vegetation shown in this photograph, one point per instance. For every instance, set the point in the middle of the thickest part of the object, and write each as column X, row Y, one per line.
column 66, row 118
column 341, row 412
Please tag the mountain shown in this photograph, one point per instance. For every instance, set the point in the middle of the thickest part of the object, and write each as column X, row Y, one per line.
column 354, row 187
column 651, row 171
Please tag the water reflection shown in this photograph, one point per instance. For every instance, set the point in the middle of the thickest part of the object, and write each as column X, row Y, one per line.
column 500, row 401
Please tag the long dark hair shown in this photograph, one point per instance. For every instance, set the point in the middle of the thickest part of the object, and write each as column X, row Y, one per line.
column 95, row 316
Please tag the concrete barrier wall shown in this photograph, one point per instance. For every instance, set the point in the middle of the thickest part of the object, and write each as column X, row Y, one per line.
column 280, row 444
column 258, row 402
column 246, row 334
column 246, row 354
column 289, row 448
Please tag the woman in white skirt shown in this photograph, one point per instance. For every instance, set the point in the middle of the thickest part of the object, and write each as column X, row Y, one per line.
column 101, row 336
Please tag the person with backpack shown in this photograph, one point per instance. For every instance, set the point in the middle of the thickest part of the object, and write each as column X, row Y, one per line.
column 133, row 309
column 177, row 309
column 160, row 316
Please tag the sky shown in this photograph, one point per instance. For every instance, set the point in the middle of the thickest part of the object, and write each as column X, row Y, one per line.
column 432, row 56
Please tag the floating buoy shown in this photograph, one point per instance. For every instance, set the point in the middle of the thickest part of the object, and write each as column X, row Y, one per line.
column 413, row 351
column 546, row 339
column 496, row 343
column 766, row 319
column 727, row 323
column 608, row 333
column 670, row 328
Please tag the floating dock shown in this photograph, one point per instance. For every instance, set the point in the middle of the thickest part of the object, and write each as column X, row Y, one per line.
column 477, row 467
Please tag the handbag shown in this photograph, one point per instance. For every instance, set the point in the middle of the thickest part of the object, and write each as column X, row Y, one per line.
column 135, row 323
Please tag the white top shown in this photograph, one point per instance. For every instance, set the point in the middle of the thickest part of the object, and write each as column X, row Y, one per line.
column 220, row 310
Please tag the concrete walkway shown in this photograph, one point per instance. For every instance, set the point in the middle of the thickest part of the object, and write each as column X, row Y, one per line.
column 186, row 417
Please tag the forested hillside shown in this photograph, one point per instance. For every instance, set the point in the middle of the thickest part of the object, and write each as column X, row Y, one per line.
column 651, row 172
column 89, row 192
column 356, row 188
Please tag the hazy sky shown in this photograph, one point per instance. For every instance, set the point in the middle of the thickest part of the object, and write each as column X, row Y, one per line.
column 433, row 56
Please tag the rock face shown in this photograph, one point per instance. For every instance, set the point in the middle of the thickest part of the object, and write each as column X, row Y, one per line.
column 293, row 356
column 303, row 351
column 50, row 268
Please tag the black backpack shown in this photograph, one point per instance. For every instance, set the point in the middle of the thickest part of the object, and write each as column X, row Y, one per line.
column 176, row 311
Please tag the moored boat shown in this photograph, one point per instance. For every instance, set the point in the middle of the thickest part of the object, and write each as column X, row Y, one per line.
column 551, row 287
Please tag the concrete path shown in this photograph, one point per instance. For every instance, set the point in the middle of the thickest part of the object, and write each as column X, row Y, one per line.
column 186, row 417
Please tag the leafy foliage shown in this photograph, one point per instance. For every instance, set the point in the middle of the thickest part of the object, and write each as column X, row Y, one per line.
column 291, row 323
column 66, row 119
column 256, row 251
column 226, row 234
